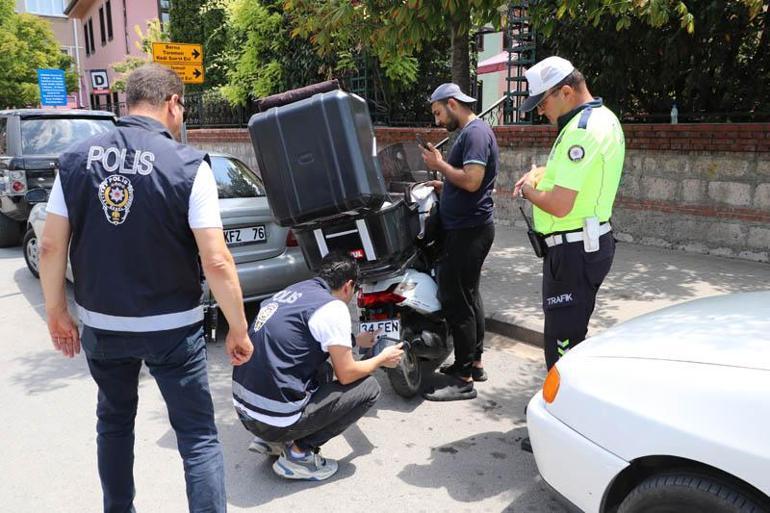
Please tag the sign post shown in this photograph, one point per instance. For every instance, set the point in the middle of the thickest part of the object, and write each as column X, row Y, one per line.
column 53, row 87
column 185, row 59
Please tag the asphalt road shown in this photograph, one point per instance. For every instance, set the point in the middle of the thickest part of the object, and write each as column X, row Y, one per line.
column 404, row 455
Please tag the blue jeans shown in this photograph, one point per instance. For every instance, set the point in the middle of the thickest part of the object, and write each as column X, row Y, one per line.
column 177, row 361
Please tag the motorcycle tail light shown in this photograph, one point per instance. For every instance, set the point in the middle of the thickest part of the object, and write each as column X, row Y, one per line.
column 18, row 187
column 385, row 297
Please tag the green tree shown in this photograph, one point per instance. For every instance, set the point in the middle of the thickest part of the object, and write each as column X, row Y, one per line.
column 27, row 44
column 722, row 65
column 394, row 32
column 204, row 22
column 264, row 57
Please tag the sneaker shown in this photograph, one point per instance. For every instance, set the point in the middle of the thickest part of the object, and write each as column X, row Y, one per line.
column 477, row 373
column 264, row 447
column 456, row 390
column 311, row 466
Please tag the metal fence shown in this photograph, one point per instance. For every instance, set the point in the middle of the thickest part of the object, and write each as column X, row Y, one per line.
column 212, row 111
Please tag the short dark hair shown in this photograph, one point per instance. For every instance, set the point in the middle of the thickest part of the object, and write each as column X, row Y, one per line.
column 152, row 84
column 575, row 80
column 337, row 268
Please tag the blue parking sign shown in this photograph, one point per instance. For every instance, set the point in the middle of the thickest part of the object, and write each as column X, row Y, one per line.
column 53, row 88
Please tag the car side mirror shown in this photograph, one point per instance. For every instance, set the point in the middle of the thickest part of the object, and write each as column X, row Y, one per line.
column 36, row 195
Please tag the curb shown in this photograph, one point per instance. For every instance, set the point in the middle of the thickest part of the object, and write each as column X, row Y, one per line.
column 515, row 331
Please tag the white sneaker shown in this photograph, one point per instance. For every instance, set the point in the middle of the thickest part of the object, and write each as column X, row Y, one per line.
column 311, row 466
column 264, row 447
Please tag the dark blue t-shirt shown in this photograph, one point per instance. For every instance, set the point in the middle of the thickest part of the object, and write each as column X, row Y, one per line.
column 459, row 208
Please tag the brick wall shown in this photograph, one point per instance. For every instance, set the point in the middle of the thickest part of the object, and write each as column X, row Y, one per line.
column 702, row 188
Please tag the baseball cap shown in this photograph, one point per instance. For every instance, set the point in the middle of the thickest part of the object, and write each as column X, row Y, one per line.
column 543, row 76
column 449, row 90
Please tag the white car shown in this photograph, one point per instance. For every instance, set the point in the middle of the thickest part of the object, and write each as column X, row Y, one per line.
column 666, row 413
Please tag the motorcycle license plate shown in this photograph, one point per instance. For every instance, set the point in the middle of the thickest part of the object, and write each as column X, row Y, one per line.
column 390, row 328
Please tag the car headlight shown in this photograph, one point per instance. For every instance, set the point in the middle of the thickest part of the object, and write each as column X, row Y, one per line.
column 551, row 385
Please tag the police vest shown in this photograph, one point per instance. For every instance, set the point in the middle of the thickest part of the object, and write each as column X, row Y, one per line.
column 276, row 383
column 134, row 258
column 587, row 157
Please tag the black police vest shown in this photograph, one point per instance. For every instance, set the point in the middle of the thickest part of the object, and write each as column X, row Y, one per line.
column 275, row 384
column 134, row 258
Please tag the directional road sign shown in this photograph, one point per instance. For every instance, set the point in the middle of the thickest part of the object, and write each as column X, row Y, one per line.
column 53, row 89
column 184, row 58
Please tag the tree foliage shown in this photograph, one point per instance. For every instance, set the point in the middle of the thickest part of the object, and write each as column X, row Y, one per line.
column 722, row 65
column 204, row 22
column 393, row 32
column 27, row 43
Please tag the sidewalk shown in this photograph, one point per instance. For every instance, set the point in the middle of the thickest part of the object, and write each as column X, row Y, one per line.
column 642, row 279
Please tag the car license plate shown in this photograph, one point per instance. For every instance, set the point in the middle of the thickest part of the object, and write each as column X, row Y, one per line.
column 236, row 236
column 390, row 328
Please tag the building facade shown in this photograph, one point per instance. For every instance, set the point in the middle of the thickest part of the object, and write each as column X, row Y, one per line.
column 106, row 35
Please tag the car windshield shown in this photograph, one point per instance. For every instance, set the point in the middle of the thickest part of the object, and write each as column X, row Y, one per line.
column 235, row 180
column 51, row 136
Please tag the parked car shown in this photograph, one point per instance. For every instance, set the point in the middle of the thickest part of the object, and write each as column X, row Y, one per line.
column 31, row 141
column 665, row 413
column 267, row 256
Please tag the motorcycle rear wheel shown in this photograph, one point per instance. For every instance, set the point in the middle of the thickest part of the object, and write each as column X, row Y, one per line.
column 406, row 379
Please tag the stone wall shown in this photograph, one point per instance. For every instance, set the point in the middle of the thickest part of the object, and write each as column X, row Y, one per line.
column 703, row 188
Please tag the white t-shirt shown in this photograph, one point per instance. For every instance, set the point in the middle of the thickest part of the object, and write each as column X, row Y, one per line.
column 330, row 325
column 203, row 211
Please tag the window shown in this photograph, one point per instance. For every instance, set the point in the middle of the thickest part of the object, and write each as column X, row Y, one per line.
column 49, row 7
column 87, row 41
column 108, row 8
column 235, row 180
column 164, row 7
column 51, row 136
column 480, row 41
column 102, row 30
column 91, row 34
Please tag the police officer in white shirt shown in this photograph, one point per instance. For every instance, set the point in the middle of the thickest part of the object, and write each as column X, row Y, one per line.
column 137, row 209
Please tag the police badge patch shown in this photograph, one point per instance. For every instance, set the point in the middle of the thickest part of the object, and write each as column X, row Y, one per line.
column 576, row 153
column 264, row 315
column 116, row 195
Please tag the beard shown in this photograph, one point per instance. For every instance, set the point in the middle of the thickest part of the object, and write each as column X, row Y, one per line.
column 452, row 124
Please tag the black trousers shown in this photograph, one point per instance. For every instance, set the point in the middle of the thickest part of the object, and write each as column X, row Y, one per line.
column 571, row 279
column 459, row 274
column 331, row 410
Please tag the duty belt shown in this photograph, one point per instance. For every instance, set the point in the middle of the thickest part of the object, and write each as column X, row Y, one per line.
column 576, row 236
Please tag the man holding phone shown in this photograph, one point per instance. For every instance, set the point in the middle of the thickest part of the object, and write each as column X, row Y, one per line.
column 466, row 211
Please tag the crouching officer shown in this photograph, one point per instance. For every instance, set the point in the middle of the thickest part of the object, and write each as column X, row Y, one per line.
column 572, row 199
column 136, row 209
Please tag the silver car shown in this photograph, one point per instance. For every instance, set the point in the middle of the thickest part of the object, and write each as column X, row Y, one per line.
column 266, row 255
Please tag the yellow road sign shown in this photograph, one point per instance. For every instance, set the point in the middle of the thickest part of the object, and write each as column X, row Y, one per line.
column 177, row 53
column 190, row 74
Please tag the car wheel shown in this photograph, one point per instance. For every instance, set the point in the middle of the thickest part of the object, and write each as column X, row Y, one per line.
column 10, row 231
column 686, row 493
column 32, row 252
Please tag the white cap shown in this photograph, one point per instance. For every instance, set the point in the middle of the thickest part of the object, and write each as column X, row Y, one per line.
column 543, row 76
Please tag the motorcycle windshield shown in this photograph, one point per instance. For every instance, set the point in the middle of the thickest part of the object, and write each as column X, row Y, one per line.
column 401, row 163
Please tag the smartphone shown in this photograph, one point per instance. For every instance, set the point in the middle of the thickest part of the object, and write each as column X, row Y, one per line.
column 421, row 142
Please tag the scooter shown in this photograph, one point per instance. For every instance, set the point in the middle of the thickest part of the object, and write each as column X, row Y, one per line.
column 404, row 307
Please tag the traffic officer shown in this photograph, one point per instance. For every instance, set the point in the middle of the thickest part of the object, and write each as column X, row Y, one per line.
column 572, row 199
column 136, row 209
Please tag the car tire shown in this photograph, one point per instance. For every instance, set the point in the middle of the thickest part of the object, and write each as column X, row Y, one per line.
column 10, row 231
column 31, row 247
column 687, row 493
